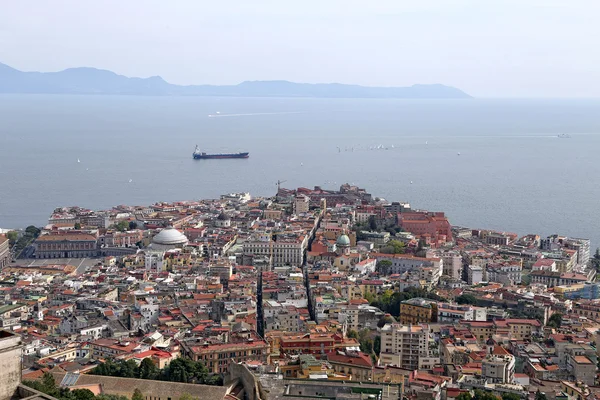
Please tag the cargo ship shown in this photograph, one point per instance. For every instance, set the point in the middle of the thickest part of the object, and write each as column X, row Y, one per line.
column 198, row 155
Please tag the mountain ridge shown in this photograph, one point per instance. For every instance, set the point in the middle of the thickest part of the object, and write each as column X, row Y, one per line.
column 90, row 80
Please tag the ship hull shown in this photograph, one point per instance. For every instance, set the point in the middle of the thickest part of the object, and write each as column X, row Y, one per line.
column 219, row 156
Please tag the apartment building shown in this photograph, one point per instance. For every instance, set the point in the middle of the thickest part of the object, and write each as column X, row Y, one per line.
column 403, row 345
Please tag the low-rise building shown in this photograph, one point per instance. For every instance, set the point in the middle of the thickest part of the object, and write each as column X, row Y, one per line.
column 418, row 310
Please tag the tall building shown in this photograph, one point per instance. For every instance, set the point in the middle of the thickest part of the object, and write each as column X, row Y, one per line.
column 403, row 345
column 4, row 252
column 301, row 204
column 582, row 246
column 452, row 264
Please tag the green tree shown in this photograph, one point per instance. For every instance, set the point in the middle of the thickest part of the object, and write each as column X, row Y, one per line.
column 394, row 247
column 12, row 237
column 32, row 231
column 128, row 369
column 383, row 267
column 372, row 223
column 511, row 396
column 77, row 225
column 464, row 396
column 82, row 394
column 352, row 334
column 386, row 319
column 186, row 396
column 365, row 340
column 555, row 321
column 147, row 369
column 137, row 395
column 466, row 299
column 48, row 383
column 377, row 344
column 105, row 396
column 481, row 395
column 122, row 226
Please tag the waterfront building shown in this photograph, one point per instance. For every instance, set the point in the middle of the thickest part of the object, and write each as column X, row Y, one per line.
column 433, row 225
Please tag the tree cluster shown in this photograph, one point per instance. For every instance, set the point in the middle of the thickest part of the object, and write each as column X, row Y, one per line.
column 179, row 370
column 389, row 301
column 555, row 321
column 466, row 299
column 31, row 233
column 48, row 386
column 483, row 395
column 368, row 344
column 394, row 247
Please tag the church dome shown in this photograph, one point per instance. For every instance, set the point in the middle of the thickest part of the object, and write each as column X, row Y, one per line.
column 223, row 217
column 170, row 237
column 343, row 240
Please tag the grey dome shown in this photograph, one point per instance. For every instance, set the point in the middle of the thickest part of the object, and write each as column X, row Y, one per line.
column 343, row 240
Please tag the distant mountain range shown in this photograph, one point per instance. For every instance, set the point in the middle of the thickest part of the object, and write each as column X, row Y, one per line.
column 98, row 81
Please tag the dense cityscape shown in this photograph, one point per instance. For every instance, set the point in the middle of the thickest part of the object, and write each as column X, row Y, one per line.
column 311, row 293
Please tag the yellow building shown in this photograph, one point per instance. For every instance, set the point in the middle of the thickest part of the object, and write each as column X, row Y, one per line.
column 418, row 310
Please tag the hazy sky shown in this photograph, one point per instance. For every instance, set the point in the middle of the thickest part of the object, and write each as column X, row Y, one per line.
column 492, row 48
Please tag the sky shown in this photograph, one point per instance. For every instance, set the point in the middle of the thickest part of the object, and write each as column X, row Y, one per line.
column 488, row 48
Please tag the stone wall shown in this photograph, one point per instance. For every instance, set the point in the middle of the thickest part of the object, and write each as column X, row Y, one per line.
column 252, row 387
column 10, row 364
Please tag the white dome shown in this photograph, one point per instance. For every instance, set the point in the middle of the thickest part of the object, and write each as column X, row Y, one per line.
column 170, row 236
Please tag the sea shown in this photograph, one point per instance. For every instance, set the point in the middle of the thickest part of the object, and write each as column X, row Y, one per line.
column 488, row 163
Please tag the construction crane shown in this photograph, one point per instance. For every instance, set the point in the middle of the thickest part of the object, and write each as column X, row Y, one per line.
column 279, row 184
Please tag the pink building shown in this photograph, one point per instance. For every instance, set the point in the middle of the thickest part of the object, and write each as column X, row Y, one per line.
column 434, row 225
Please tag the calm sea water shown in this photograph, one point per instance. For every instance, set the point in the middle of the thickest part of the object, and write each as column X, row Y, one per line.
column 512, row 174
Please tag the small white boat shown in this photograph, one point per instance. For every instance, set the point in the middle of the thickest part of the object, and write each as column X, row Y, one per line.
column 78, row 160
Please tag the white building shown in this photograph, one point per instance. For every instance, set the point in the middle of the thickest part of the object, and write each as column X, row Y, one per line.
column 286, row 250
column 452, row 264
column 404, row 345
column 154, row 260
column 301, row 204
column 474, row 274
column 498, row 368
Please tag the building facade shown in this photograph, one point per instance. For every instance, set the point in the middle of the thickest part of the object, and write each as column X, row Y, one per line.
column 4, row 252
column 418, row 310
column 403, row 345
column 66, row 245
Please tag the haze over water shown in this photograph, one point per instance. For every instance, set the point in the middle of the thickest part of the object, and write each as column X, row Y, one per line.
column 512, row 174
